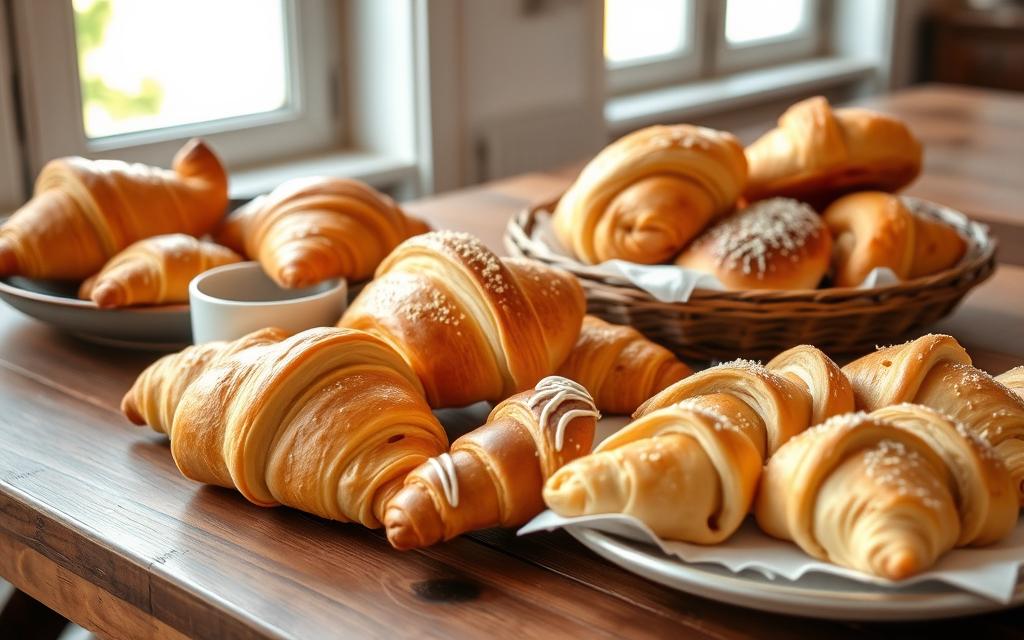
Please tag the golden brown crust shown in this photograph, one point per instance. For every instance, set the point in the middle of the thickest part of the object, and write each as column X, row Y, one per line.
column 156, row 270
column 493, row 475
column 645, row 196
column 772, row 244
column 817, row 154
column 473, row 326
column 619, row 366
column 312, row 229
column 85, row 211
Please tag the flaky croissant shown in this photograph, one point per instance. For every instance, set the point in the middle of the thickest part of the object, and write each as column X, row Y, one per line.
column 85, row 211
column 817, row 153
column 493, row 475
column 156, row 270
column 876, row 229
column 156, row 393
column 648, row 194
column 1013, row 380
column 936, row 371
column 473, row 326
column 619, row 366
column 312, row 229
column 687, row 471
column 328, row 421
column 886, row 493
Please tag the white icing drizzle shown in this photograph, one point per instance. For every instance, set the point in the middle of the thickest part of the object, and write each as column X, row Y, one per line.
column 552, row 392
column 444, row 466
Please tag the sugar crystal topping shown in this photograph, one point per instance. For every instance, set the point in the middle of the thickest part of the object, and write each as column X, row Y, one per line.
column 751, row 238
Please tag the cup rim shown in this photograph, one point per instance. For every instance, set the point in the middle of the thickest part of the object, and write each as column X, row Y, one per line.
column 340, row 285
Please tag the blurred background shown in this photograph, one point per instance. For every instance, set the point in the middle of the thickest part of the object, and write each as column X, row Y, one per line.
column 421, row 96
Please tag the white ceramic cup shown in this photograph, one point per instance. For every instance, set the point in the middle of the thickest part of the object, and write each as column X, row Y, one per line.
column 230, row 301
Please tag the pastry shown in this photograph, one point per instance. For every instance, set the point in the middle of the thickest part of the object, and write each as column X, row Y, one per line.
column 817, row 153
column 876, row 229
column 1013, row 380
column 156, row 393
column 312, row 229
column 85, row 211
column 619, row 366
column 689, row 464
column 645, row 196
column 328, row 421
column 686, row 471
column 772, row 244
column 936, row 371
column 886, row 493
column 156, row 270
column 472, row 326
column 493, row 475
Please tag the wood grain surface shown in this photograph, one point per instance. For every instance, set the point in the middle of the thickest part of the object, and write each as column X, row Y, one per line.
column 96, row 522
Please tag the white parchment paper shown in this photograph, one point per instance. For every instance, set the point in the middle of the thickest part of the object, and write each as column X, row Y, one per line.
column 991, row 572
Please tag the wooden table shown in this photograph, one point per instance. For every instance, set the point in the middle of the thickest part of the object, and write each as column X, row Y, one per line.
column 96, row 522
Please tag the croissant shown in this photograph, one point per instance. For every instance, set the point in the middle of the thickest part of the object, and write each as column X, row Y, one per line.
column 886, row 493
column 687, row 471
column 472, row 326
column 157, row 392
column 312, row 229
column 645, row 196
column 876, row 229
column 936, row 371
column 328, row 421
column 85, row 211
column 1013, row 380
column 493, row 475
column 156, row 270
column 799, row 387
column 817, row 153
column 619, row 366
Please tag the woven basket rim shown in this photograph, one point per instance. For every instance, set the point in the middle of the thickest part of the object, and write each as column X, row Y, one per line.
column 980, row 253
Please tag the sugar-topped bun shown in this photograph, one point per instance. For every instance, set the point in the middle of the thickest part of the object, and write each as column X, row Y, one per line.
column 773, row 244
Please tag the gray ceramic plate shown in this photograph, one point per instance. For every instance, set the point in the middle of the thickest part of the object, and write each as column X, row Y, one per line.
column 813, row 596
column 55, row 303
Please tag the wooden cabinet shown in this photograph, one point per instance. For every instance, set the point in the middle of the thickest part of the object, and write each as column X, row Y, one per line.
column 982, row 48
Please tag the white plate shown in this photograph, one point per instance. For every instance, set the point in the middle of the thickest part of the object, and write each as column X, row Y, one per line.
column 813, row 595
column 163, row 328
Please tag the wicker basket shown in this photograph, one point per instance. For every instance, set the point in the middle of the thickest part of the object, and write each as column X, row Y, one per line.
column 758, row 324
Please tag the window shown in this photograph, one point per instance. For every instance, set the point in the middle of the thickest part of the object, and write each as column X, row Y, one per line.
column 133, row 79
column 652, row 43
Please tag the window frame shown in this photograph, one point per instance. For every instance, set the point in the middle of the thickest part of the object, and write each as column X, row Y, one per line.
column 54, row 127
column 672, row 68
column 804, row 42
column 11, row 178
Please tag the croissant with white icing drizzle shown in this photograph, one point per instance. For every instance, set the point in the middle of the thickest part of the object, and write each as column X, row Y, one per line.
column 493, row 475
column 886, row 493
column 689, row 464
column 936, row 371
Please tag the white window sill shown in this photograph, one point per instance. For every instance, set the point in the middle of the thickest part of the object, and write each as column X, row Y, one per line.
column 695, row 99
column 378, row 170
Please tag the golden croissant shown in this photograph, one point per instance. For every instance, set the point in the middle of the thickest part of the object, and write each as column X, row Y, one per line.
column 886, row 493
column 85, row 211
column 936, row 371
column 687, row 471
column 1013, row 380
column 817, row 153
column 619, row 366
column 493, row 475
column 156, row 270
column 645, row 196
column 472, row 326
column 876, row 229
column 328, row 421
column 689, row 464
column 312, row 229
column 157, row 392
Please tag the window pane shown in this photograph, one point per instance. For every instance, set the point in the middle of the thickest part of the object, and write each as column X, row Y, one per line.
column 147, row 64
column 638, row 29
column 748, row 20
